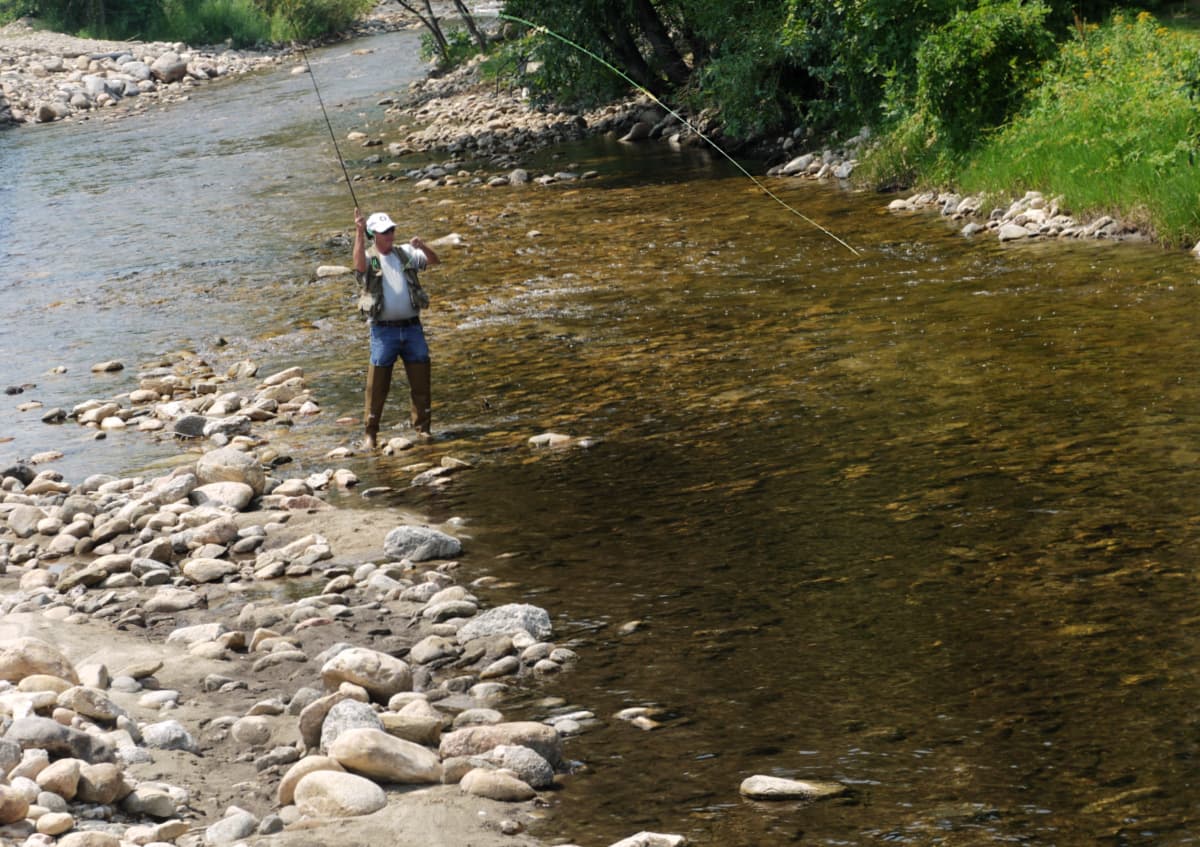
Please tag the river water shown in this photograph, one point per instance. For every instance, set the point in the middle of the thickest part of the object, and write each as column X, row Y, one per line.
column 923, row 521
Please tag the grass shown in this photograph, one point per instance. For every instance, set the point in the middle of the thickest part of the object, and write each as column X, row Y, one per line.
column 1112, row 129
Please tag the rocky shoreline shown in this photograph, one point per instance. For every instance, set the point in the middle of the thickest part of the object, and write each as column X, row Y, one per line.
column 48, row 76
column 158, row 685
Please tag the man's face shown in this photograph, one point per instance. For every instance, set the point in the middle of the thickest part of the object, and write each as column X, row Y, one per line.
column 384, row 239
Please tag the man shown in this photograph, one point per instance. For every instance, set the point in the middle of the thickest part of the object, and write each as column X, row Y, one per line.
column 390, row 299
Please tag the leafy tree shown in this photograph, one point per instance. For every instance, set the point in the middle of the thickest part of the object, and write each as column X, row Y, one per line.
column 633, row 35
column 763, row 63
column 426, row 15
column 472, row 27
column 445, row 47
column 974, row 72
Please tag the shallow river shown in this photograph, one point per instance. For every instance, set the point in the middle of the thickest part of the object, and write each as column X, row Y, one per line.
column 924, row 521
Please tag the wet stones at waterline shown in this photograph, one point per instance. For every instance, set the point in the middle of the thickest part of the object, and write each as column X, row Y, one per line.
column 1032, row 216
column 341, row 719
column 183, row 398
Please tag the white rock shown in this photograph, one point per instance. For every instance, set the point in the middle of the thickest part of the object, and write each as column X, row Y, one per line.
column 232, row 495
column 188, row 635
column 329, row 794
column 507, row 620
column 761, row 787
column 376, row 754
column 380, row 674
column 227, row 464
column 651, row 839
column 1013, row 232
column 286, row 793
column 499, row 785
column 22, row 657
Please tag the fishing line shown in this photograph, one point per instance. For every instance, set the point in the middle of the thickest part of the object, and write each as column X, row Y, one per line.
column 324, row 113
column 541, row 29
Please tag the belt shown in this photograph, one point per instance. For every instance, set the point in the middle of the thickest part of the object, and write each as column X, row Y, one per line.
column 404, row 322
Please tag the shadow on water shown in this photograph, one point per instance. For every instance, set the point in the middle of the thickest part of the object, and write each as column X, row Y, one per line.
column 922, row 521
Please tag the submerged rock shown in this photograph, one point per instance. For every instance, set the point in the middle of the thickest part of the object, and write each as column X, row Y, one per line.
column 760, row 787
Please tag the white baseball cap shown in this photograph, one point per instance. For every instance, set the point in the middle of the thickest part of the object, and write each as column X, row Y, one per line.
column 379, row 222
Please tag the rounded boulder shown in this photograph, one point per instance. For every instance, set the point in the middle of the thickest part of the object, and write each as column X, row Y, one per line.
column 330, row 794
column 375, row 753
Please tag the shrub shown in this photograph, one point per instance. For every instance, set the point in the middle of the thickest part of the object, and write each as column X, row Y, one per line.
column 212, row 21
column 973, row 73
column 749, row 79
column 900, row 157
column 10, row 10
column 853, row 49
column 461, row 47
column 1115, row 130
column 301, row 20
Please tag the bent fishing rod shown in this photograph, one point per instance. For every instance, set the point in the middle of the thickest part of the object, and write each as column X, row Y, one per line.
column 547, row 31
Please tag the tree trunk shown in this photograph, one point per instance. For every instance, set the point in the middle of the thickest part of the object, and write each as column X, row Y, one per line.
column 431, row 23
column 436, row 29
column 661, row 43
column 623, row 48
column 701, row 51
column 472, row 27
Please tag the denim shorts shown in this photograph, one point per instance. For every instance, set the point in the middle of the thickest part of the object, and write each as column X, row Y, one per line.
column 404, row 342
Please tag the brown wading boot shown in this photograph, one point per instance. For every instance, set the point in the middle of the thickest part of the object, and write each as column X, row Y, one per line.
column 379, row 380
column 419, row 387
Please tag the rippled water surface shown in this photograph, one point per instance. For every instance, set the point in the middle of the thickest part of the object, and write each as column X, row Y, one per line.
column 923, row 521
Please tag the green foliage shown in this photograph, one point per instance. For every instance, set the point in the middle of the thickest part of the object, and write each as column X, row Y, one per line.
column 860, row 54
column 900, row 157
column 213, row 21
column 462, row 46
column 556, row 71
column 974, row 72
column 1114, row 129
column 10, row 10
column 507, row 61
column 750, row 75
column 244, row 22
column 118, row 19
column 301, row 20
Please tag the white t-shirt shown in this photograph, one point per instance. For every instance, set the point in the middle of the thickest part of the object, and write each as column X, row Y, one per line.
column 397, row 304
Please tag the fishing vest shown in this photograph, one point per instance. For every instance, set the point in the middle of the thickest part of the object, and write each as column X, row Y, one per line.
column 370, row 285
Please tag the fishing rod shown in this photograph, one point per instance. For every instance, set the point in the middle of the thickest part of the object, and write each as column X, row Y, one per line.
column 324, row 113
column 546, row 31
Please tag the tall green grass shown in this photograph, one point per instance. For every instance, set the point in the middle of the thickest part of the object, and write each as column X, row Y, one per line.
column 1112, row 129
column 213, row 21
column 242, row 22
